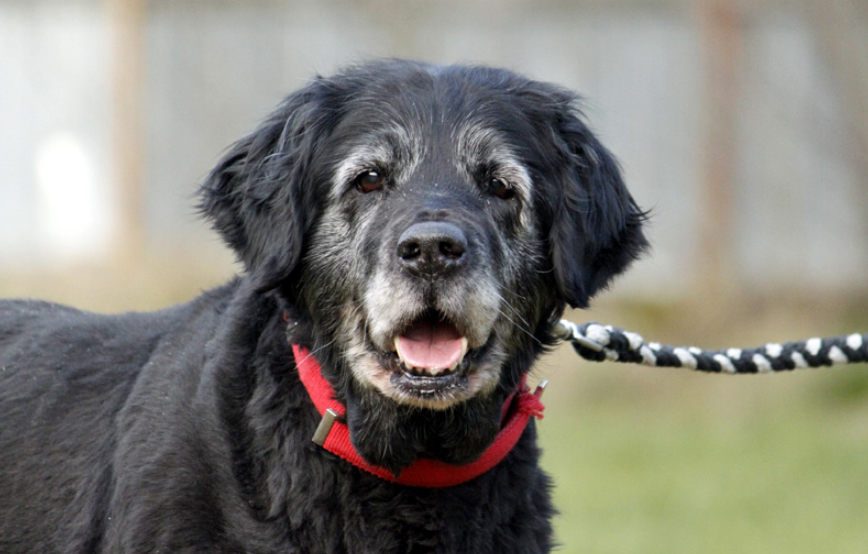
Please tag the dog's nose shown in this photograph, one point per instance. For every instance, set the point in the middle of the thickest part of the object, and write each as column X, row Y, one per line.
column 432, row 248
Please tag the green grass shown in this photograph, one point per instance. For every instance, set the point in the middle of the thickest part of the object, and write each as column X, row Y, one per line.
column 670, row 477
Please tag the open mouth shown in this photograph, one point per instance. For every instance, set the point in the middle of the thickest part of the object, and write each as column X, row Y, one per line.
column 429, row 357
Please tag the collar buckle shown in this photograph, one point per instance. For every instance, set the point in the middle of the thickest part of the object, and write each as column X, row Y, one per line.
column 324, row 427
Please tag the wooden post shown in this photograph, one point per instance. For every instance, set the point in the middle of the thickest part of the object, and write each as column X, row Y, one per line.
column 126, row 20
column 720, row 26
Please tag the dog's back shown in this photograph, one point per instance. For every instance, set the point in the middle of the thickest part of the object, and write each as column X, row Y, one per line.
column 65, row 376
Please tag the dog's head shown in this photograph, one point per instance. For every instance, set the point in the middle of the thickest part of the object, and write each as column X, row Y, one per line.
column 427, row 225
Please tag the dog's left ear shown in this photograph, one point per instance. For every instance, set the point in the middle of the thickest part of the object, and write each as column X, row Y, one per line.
column 596, row 225
column 261, row 196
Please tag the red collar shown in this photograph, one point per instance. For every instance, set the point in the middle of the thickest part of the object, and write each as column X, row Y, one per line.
column 334, row 435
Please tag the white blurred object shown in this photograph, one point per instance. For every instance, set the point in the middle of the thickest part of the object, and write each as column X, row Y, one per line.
column 74, row 209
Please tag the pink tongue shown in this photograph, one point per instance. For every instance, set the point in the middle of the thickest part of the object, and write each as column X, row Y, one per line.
column 430, row 345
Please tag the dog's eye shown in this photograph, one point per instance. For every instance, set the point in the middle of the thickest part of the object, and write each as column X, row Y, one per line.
column 370, row 181
column 500, row 188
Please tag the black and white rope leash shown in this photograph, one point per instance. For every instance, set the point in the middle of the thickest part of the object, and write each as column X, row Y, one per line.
column 600, row 343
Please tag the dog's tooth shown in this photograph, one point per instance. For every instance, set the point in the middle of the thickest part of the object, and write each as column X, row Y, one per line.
column 460, row 358
column 400, row 357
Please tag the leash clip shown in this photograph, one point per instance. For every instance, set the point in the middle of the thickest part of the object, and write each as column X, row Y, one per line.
column 567, row 330
column 324, row 427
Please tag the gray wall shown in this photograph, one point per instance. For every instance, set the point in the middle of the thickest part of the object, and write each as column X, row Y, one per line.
column 215, row 68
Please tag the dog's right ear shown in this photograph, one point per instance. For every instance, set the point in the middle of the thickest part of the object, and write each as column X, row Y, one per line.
column 261, row 196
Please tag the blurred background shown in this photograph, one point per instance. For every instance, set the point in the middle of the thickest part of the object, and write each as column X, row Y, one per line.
column 742, row 126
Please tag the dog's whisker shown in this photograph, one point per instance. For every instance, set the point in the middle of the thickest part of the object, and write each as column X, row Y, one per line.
column 512, row 308
column 521, row 328
column 525, row 326
column 319, row 349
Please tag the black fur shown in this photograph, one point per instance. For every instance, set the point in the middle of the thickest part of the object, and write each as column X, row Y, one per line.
column 188, row 430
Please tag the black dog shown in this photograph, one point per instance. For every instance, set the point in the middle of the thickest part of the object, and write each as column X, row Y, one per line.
column 416, row 230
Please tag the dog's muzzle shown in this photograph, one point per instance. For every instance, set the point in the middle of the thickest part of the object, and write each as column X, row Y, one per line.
column 430, row 311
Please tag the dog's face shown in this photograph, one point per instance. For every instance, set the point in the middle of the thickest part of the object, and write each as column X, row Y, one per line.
column 427, row 241
column 427, row 225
